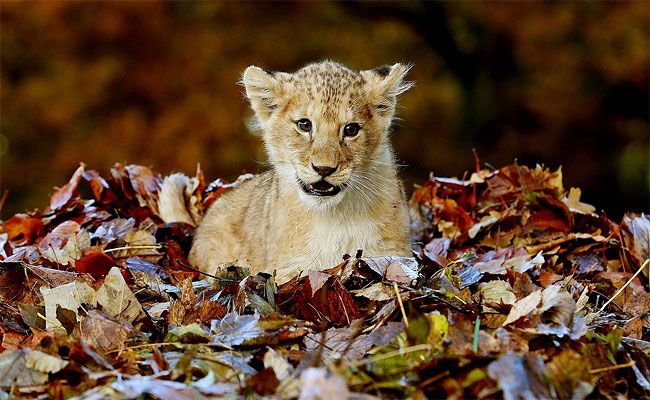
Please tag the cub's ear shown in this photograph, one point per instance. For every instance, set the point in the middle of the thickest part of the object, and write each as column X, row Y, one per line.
column 384, row 84
column 262, row 90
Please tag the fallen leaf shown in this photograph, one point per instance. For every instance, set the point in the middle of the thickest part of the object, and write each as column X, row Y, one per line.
column 95, row 262
column 117, row 299
column 317, row 279
column 43, row 362
column 321, row 383
column 515, row 380
column 524, row 307
column 572, row 201
column 68, row 192
column 496, row 294
column 264, row 383
column 377, row 291
column 23, row 229
column 104, row 333
column 15, row 372
column 235, row 329
column 70, row 296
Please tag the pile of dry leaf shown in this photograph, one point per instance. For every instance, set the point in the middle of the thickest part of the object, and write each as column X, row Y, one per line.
column 516, row 290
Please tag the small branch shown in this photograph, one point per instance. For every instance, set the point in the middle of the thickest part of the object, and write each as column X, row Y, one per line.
column 401, row 305
column 613, row 367
column 142, row 247
column 205, row 273
column 619, row 291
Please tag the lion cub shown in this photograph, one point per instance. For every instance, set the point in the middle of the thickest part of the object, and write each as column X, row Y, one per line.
column 333, row 186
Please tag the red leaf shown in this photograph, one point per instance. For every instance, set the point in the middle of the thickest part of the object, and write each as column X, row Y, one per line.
column 332, row 303
column 94, row 262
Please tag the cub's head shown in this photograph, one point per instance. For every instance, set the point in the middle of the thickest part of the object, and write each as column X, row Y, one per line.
column 325, row 127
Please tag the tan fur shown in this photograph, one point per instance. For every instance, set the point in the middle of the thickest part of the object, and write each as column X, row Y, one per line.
column 269, row 222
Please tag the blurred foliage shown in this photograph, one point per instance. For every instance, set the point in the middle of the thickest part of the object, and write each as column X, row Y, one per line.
column 562, row 83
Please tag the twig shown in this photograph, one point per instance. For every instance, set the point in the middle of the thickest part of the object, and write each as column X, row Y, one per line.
column 139, row 247
column 401, row 305
column 434, row 378
column 613, row 367
column 619, row 291
column 204, row 273
column 347, row 317
column 477, row 328
column 140, row 346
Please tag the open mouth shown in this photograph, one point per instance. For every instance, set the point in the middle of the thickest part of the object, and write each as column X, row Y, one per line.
column 320, row 188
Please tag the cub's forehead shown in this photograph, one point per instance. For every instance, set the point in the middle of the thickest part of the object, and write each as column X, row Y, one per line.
column 328, row 72
column 327, row 79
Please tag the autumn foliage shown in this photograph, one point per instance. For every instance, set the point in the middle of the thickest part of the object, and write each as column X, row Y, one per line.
column 517, row 289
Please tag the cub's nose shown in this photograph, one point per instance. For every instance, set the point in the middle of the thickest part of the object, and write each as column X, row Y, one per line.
column 324, row 171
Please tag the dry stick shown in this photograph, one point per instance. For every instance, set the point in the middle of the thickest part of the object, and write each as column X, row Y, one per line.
column 434, row 378
column 613, row 367
column 401, row 305
column 347, row 317
column 139, row 247
column 178, row 260
column 141, row 346
column 619, row 291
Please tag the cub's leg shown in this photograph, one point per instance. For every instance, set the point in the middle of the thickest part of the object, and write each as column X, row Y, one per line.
column 218, row 239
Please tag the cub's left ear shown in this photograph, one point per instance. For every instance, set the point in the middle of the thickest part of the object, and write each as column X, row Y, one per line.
column 384, row 84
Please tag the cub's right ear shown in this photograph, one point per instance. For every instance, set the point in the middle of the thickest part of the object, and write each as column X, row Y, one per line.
column 262, row 90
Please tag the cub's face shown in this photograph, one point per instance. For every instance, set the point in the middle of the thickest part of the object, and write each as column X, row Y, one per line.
column 325, row 127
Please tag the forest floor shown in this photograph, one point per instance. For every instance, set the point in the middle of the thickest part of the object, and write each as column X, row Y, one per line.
column 516, row 289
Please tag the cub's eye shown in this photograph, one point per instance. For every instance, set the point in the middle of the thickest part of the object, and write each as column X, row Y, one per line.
column 351, row 130
column 304, row 125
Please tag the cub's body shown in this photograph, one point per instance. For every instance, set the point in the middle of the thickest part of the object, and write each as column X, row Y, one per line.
column 333, row 187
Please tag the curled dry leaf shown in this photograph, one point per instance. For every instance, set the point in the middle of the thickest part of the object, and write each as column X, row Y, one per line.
column 64, row 195
column 23, row 228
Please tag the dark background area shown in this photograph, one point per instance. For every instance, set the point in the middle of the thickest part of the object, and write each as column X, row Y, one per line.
column 154, row 83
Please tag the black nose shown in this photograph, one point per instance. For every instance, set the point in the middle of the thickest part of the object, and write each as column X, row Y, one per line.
column 324, row 171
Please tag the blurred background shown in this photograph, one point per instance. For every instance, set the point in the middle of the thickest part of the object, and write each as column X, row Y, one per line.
column 154, row 83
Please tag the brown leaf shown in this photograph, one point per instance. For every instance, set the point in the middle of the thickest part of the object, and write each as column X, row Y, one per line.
column 13, row 286
column 99, row 187
column 59, row 236
column 524, row 307
column 23, row 229
column 264, row 383
column 68, row 192
column 436, row 250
